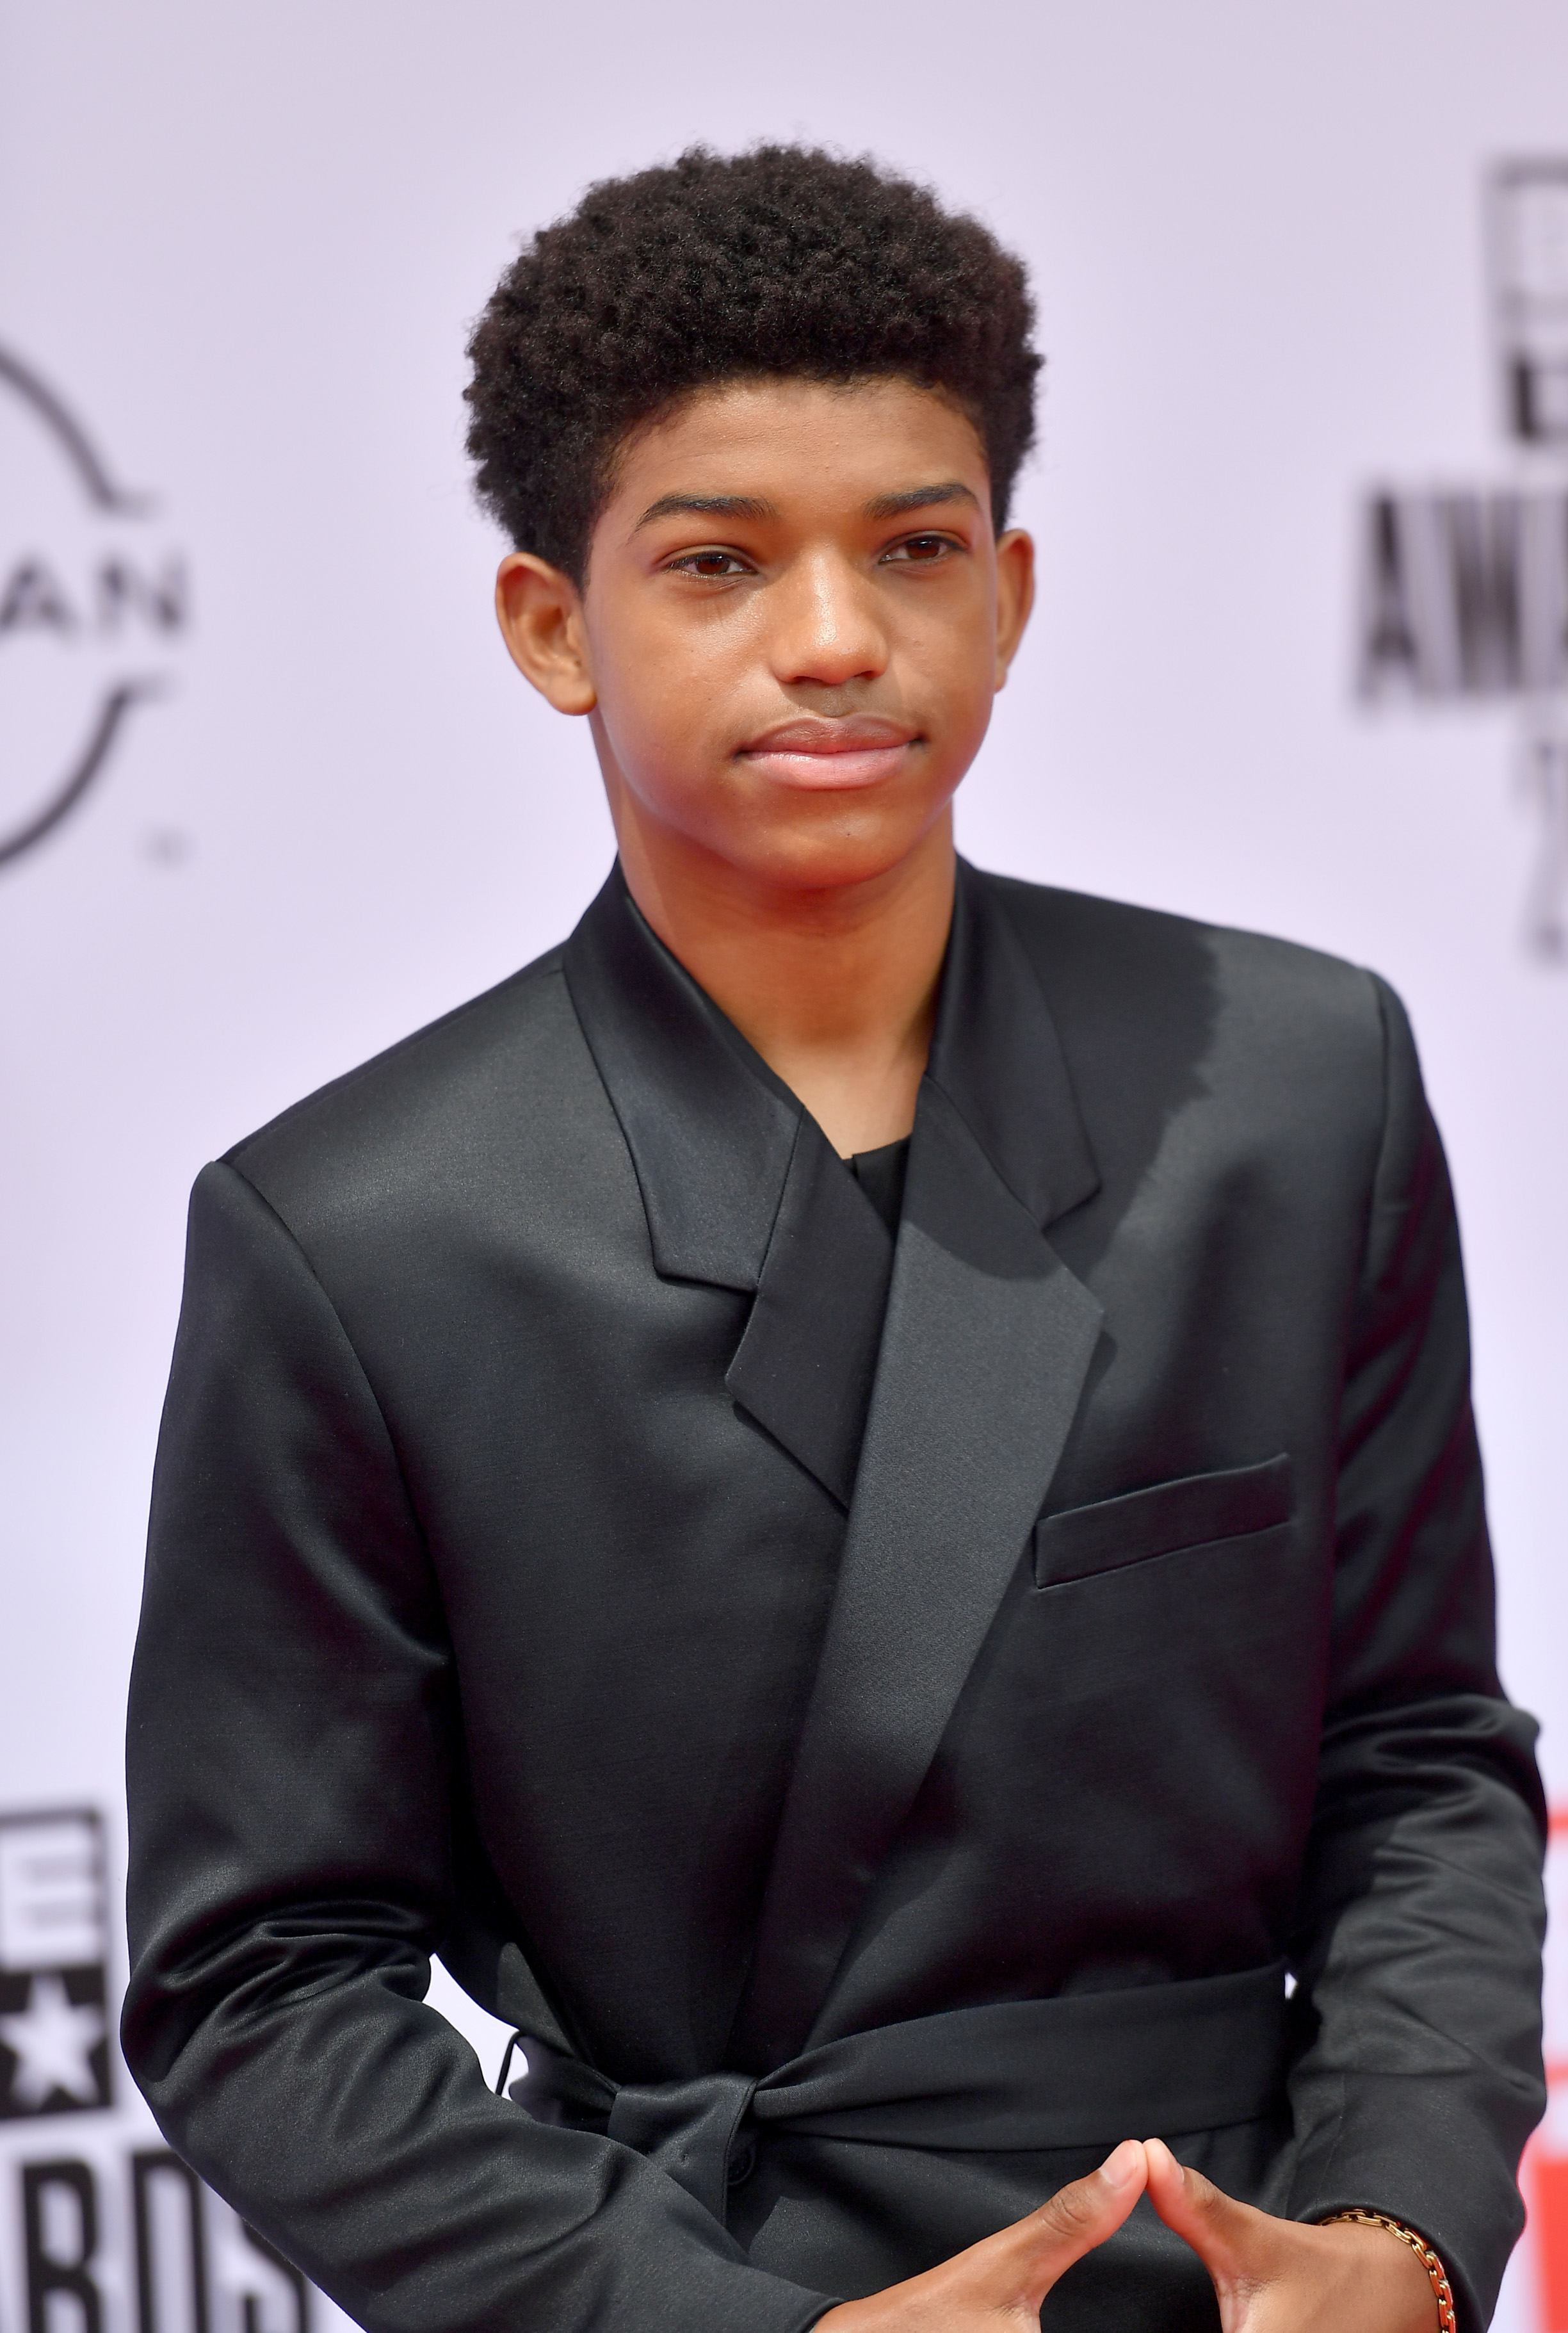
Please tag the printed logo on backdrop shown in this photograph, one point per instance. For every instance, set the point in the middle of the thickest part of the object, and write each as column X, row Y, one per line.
column 94, row 602
column 53, row 1974
column 114, row 2239
column 1464, row 594
column 102, row 2229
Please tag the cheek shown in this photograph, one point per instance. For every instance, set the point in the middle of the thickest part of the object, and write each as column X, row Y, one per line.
column 663, row 724
column 952, row 671
column 652, row 712
column 663, row 686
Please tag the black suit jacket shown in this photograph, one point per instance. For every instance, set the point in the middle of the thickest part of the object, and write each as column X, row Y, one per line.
column 584, row 1544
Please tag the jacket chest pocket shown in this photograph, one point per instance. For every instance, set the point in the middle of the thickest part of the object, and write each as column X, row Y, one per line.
column 1167, row 1667
column 1196, row 1510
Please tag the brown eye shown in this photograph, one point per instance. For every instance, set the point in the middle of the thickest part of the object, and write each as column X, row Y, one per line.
column 921, row 550
column 711, row 566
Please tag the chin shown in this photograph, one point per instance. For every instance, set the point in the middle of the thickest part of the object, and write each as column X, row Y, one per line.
column 852, row 843
column 817, row 862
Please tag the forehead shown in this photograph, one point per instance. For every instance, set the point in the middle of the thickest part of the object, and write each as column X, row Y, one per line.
column 796, row 441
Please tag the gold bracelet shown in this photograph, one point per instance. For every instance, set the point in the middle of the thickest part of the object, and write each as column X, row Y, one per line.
column 1423, row 2252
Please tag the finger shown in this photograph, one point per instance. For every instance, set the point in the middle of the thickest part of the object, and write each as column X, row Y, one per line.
column 1007, row 2275
column 1236, row 2243
column 1071, row 2222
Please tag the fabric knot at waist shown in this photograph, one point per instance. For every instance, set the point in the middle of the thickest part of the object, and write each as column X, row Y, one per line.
column 1081, row 2069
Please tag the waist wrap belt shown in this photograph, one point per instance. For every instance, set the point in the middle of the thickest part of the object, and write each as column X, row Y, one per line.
column 1081, row 2069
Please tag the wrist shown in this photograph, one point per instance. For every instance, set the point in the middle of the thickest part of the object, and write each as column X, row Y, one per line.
column 1414, row 2242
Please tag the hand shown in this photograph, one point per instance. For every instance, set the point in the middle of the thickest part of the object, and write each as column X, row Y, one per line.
column 998, row 2286
column 1282, row 2276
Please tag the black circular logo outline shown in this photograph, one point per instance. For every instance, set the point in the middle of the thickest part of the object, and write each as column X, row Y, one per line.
column 98, row 484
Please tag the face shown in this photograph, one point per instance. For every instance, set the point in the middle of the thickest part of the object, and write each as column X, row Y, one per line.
column 796, row 619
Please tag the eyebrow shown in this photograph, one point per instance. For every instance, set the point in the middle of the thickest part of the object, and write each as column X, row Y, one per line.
column 882, row 506
column 952, row 490
column 706, row 506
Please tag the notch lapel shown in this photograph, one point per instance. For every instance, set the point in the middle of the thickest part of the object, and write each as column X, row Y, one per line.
column 740, row 1187
column 709, row 1127
column 985, row 1350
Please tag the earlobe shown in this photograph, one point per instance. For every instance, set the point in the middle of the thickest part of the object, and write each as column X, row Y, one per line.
column 539, row 610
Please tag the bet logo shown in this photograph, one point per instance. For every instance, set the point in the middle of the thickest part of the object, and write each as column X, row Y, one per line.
column 53, row 1946
column 94, row 602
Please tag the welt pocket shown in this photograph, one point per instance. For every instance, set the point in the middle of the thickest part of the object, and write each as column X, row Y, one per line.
column 1192, row 1511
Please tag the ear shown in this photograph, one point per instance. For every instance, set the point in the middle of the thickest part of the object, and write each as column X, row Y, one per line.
column 1015, row 595
column 539, row 612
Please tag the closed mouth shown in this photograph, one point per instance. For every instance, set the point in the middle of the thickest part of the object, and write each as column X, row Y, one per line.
column 826, row 755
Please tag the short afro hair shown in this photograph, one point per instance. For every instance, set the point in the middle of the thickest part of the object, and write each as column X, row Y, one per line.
column 782, row 262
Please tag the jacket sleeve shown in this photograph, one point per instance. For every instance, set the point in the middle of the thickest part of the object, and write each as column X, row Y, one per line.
column 1420, row 1923
column 293, row 1740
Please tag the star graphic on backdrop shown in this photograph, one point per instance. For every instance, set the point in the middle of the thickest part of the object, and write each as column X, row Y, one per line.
column 53, row 2042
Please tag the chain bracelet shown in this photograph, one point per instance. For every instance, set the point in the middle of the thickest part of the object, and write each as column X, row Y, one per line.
column 1446, row 2322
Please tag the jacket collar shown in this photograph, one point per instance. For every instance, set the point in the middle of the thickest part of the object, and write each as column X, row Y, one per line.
column 710, row 1127
column 712, row 1131
column 740, row 1187
column 996, row 1058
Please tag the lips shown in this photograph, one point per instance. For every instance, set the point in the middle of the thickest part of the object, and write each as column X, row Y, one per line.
column 861, row 750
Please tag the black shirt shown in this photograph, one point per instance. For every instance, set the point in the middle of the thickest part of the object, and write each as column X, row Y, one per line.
column 880, row 1175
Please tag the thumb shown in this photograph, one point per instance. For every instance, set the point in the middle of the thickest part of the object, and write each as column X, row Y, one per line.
column 1233, row 2242
column 1034, row 2253
column 1001, row 2280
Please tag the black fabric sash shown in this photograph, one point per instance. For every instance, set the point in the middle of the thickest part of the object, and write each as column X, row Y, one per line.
column 1083, row 2070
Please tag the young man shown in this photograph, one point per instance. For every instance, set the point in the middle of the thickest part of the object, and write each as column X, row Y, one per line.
column 856, row 1493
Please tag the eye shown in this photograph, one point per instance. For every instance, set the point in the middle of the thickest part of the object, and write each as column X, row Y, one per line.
column 921, row 550
column 709, row 566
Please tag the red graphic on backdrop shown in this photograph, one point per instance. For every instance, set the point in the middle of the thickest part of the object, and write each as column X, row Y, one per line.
column 1545, row 2174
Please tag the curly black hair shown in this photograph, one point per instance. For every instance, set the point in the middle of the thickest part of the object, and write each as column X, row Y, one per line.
column 785, row 261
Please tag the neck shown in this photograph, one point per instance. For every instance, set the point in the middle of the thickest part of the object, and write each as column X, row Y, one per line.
column 835, row 987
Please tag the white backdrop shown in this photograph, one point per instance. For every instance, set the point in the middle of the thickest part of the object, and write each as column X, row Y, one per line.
column 240, row 247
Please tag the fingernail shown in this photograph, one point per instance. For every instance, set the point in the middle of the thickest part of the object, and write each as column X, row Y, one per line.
column 1120, row 2167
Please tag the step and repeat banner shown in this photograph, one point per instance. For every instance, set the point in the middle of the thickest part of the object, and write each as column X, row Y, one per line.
column 271, row 794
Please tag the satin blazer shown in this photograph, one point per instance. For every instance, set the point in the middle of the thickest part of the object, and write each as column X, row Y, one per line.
column 885, row 1716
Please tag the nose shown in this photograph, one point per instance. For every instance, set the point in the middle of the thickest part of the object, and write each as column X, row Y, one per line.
column 827, row 628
